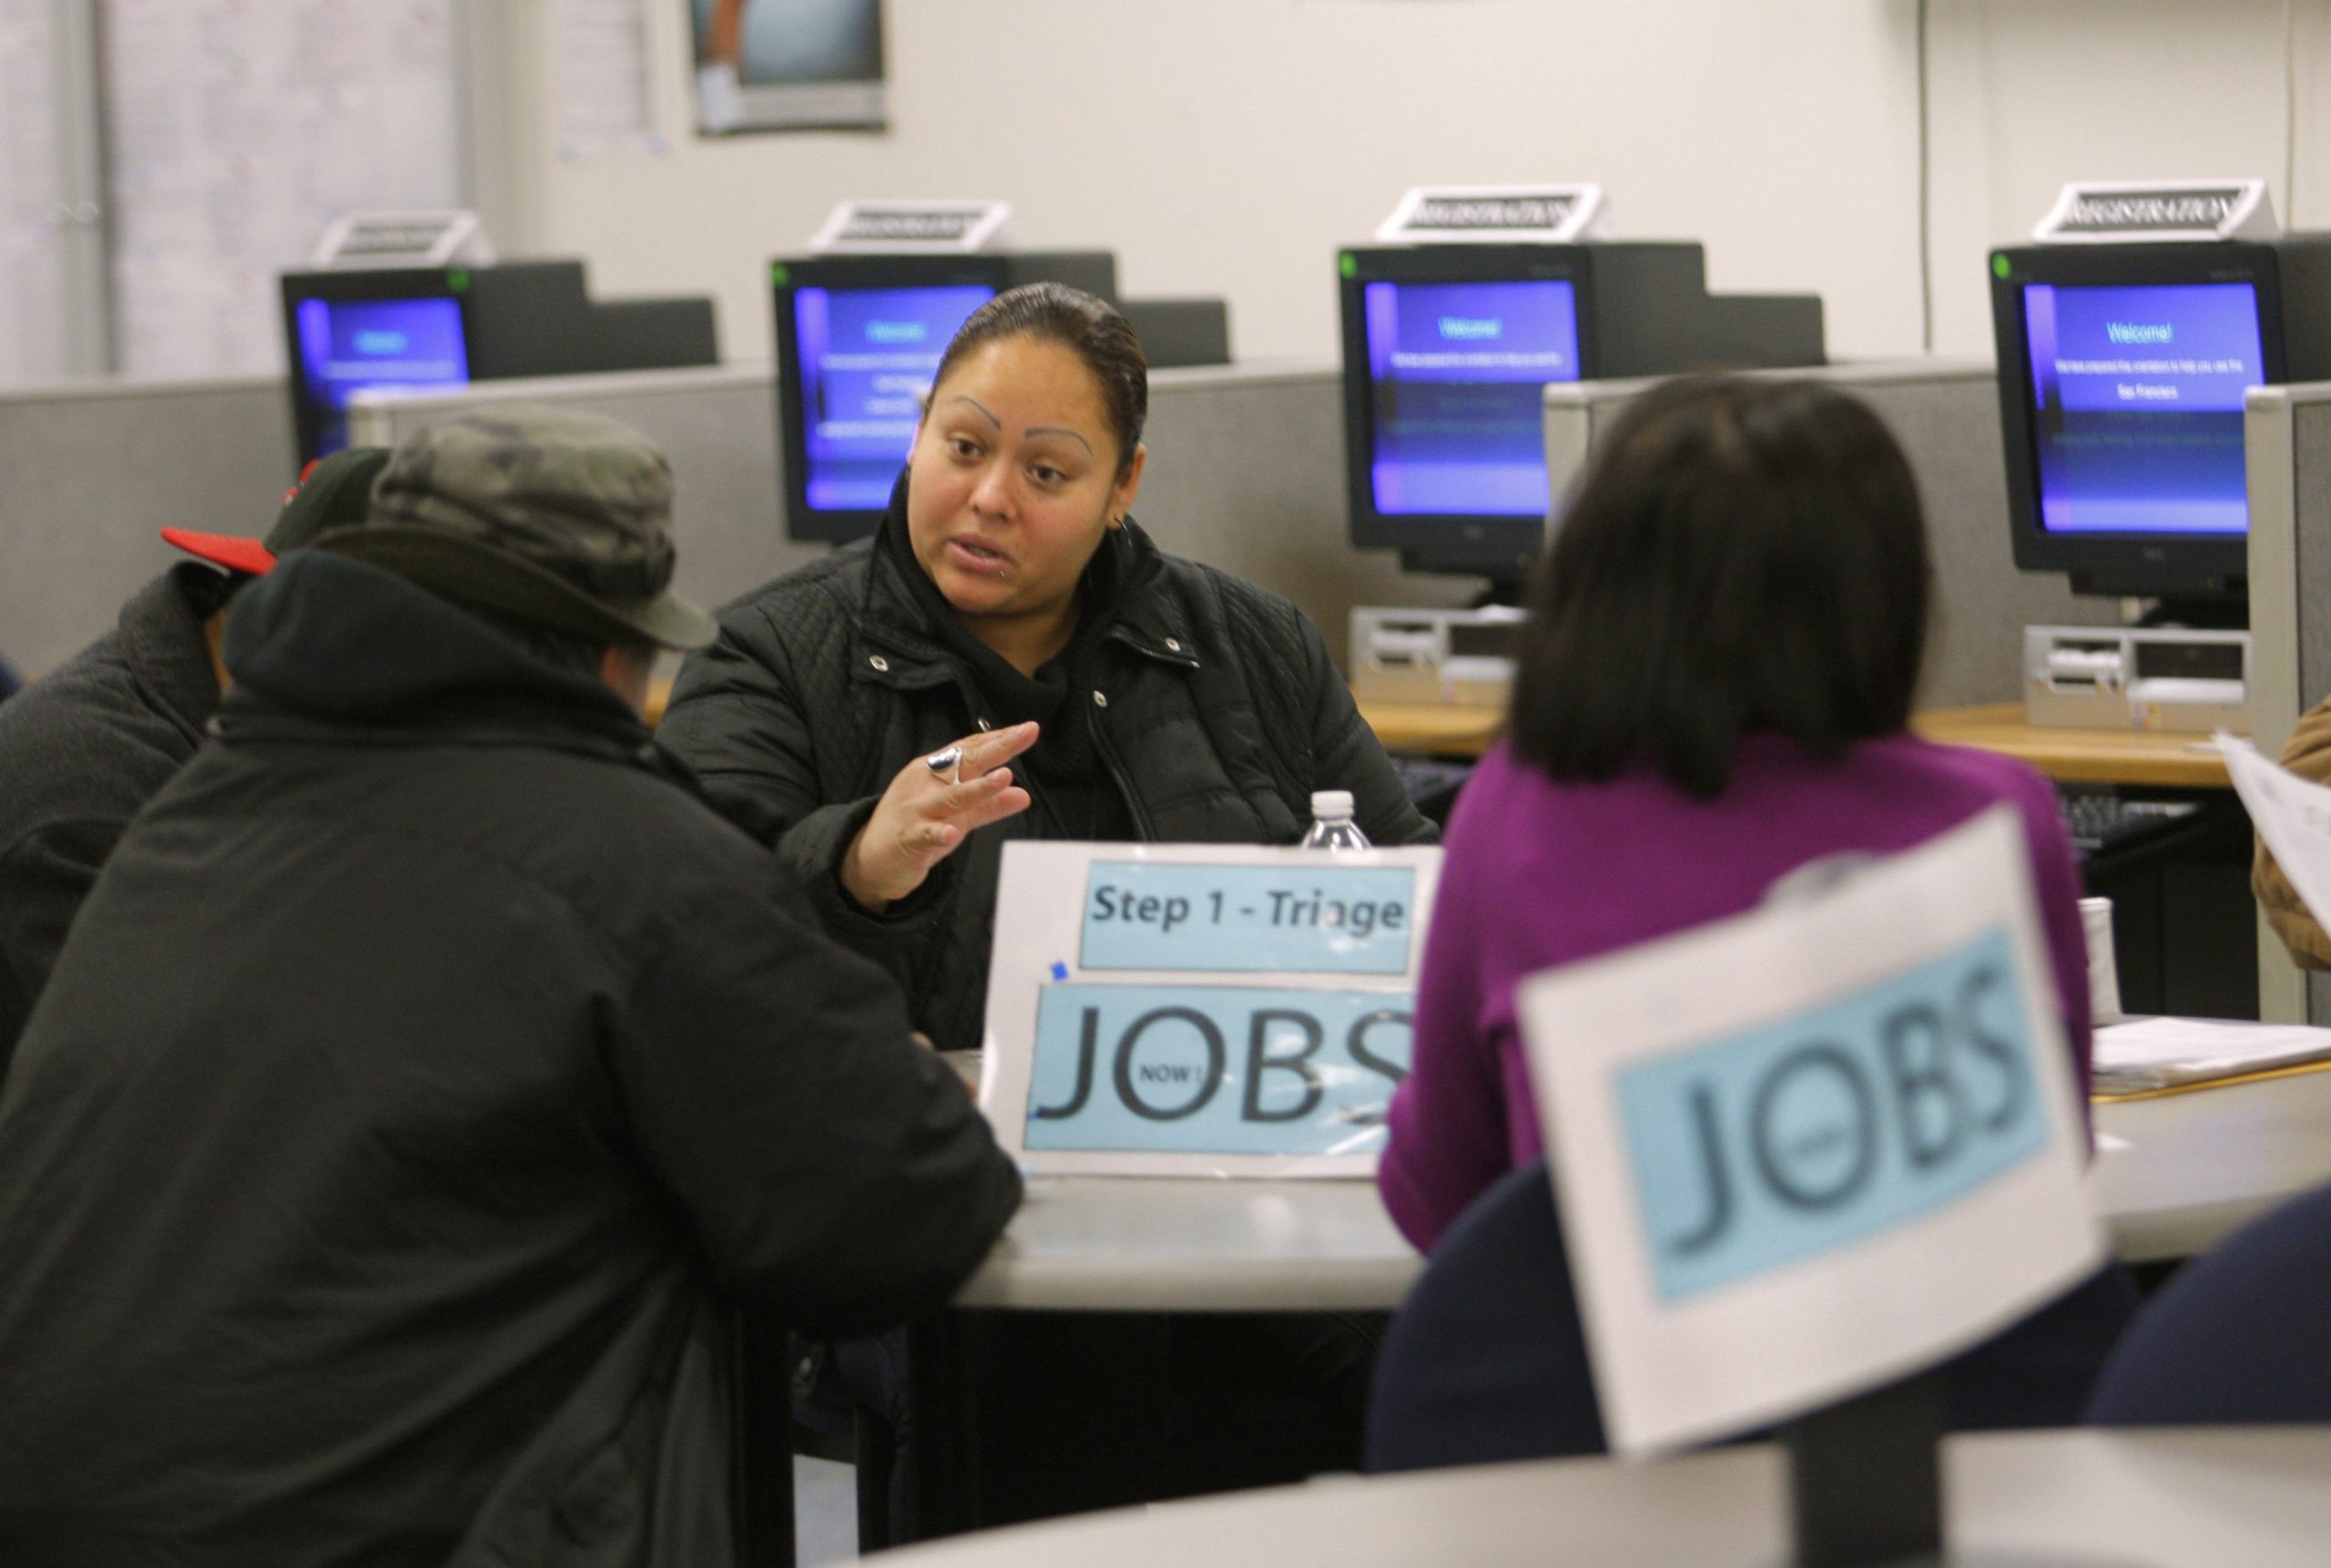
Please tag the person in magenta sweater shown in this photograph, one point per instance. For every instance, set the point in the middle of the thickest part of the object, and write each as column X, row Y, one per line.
column 1713, row 689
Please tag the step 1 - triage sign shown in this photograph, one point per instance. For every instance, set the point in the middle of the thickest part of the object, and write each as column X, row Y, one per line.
column 1201, row 1010
column 1817, row 1146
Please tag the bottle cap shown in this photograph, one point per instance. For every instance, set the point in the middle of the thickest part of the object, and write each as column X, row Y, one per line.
column 1330, row 803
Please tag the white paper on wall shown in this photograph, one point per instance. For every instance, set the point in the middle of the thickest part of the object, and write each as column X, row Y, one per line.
column 236, row 132
column 32, row 282
column 606, row 80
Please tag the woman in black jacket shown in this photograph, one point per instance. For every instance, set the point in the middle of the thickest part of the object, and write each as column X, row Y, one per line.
column 1010, row 614
column 1009, row 604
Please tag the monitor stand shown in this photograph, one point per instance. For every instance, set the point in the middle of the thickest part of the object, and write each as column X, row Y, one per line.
column 2199, row 614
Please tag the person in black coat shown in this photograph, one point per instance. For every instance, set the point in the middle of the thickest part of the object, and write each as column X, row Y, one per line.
column 432, row 1072
column 83, row 750
column 1097, row 688
column 1009, row 604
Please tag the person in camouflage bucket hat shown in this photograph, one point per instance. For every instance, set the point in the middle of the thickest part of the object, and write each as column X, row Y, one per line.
column 557, row 518
column 433, row 1075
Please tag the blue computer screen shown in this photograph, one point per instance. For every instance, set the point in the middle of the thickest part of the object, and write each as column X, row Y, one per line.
column 865, row 354
column 347, row 346
column 1455, row 371
column 2137, row 405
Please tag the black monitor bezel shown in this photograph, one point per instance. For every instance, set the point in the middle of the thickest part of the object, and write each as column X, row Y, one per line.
column 1501, row 547
column 2191, row 567
column 804, row 523
column 386, row 283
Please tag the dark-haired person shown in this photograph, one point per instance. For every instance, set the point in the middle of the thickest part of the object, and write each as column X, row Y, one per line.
column 82, row 751
column 1713, row 689
column 1099, row 687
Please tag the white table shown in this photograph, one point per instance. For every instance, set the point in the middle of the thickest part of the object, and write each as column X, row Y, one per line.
column 2173, row 1175
column 2176, row 1173
column 2255, row 1497
column 1155, row 1244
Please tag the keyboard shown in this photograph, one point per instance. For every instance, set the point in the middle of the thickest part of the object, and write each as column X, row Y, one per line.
column 2102, row 819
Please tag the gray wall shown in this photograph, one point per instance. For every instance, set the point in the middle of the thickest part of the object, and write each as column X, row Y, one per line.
column 87, row 474
column 1946, row 414
column 1245, row 473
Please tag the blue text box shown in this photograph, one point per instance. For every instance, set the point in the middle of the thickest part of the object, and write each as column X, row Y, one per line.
column 1321, row 919
column 1187, row 1069
column 1796, row 1138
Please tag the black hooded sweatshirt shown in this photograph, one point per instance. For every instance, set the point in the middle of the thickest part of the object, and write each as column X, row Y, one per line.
column 428, row 1074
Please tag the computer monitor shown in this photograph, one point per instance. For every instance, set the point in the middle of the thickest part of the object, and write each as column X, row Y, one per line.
column 1446, row 357
column 858, row 340
column 348, row 331
column 1447, row 352
column 2123, row 372
column 351, row 331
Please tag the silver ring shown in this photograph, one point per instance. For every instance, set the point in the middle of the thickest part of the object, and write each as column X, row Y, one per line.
column 947, row 760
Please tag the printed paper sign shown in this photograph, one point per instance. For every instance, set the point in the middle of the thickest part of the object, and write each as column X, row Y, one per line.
column 1314, row 917
column 1202, row 1010
column 1216, row 1069
column 1549, row 214
column 1841, row 1128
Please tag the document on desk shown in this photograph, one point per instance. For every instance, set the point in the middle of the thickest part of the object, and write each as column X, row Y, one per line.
column 2174, row 1052
column 1816, row 1148
column 1201, row 1010
column 2292, row 814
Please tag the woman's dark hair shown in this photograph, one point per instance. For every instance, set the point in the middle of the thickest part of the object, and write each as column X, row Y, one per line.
column 1741, row 554
column 1094, row 330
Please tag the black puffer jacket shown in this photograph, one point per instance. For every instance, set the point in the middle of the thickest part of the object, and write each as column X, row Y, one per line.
column 80, row 755
column 426, row 1075
column 1215, row 708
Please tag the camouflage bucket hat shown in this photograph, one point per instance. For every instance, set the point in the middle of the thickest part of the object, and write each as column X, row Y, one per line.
column 558, row 518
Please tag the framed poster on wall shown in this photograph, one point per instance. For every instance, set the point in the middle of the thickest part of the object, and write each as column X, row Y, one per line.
column 788, row 65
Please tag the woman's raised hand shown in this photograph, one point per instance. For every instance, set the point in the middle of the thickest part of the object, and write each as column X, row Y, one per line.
column 926, row 811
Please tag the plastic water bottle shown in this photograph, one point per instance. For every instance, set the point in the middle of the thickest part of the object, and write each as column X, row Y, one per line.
column 1331, row 824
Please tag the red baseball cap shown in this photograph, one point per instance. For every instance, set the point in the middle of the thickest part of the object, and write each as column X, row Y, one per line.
column 332, row 492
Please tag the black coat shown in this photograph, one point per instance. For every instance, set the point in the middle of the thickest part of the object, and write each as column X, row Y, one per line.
column 426, row 1072
column 1214, row 707
column 81, row 752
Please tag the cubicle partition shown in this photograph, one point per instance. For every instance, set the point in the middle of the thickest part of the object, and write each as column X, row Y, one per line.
column 1946, row 414
column 2287, row 438
column 90, row 471
column 717, row 425
column 1245, row 473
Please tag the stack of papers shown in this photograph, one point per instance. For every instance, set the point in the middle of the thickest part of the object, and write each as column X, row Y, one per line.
column 2166, row 1052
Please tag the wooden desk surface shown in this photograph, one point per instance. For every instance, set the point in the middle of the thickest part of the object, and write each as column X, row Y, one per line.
column 2179, row 760
column 2068, row 756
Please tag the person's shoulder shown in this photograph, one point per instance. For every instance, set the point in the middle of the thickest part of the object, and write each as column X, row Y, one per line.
column 626, row 841
column 1250, row 614
column 829, row 587
column 82, row 742
column 1969, row 771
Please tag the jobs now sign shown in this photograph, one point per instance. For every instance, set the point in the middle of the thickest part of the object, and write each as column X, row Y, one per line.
column 1841, row 1129
column 1202, row 1010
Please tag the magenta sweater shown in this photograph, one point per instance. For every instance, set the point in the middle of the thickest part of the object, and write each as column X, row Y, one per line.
column 1541, row 873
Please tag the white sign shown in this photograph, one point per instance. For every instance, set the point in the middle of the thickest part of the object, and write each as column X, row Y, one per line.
column 2114, row 212
column 369, row 239
column 1552, row 214
column 1813, row 1148
column 945, row 228
column 1201, row 1010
